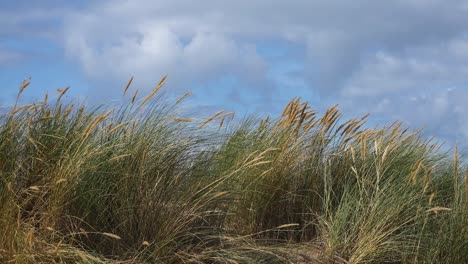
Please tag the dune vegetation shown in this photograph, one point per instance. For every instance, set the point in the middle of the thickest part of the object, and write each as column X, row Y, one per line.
column 137, row 183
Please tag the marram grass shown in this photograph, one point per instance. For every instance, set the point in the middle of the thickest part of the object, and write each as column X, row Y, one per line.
column 140, row 184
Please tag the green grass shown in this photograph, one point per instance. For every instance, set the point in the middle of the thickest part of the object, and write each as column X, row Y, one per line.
column 139, row 184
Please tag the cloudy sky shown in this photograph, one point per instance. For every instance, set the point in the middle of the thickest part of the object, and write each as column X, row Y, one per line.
column 397, row 59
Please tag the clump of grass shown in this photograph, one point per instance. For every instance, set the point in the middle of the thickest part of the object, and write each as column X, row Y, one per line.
column 139, row 183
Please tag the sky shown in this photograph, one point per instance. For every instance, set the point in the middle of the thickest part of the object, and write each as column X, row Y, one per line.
column 401, row 60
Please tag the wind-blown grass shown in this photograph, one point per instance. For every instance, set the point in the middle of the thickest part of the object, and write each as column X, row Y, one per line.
column 139, row 184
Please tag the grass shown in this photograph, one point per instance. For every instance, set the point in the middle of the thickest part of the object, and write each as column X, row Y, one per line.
column 139, row 184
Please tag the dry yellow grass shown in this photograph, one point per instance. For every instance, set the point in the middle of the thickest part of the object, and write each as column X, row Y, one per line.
column 438, row 209
column 187, row 94
column 182, row 119
column 154, row 91
column 128, row 86
column 175, row 194
column 218, row 115
column 114, row 236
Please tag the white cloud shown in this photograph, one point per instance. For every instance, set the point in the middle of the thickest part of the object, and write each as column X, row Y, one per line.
column 440, row 112
column 336, row 35
column 149, row 48
column 394, row 58
column 424, row 86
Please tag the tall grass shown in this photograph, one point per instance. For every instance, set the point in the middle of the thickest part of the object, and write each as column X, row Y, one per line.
column 138, row 184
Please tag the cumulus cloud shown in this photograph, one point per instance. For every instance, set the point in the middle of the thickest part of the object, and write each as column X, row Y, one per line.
column 424, row 86
column 153, row 50
column 115, row 41
column 395, row 58
column 440, row 112
column 440, row 65
column 336, row 36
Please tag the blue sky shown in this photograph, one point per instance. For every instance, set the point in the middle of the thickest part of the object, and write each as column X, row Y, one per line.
column 400, row 59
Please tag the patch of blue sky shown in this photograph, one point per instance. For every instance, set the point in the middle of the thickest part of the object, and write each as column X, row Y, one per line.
column 41, row 59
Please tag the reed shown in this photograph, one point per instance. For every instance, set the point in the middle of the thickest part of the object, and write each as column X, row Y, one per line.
column 138, row 184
